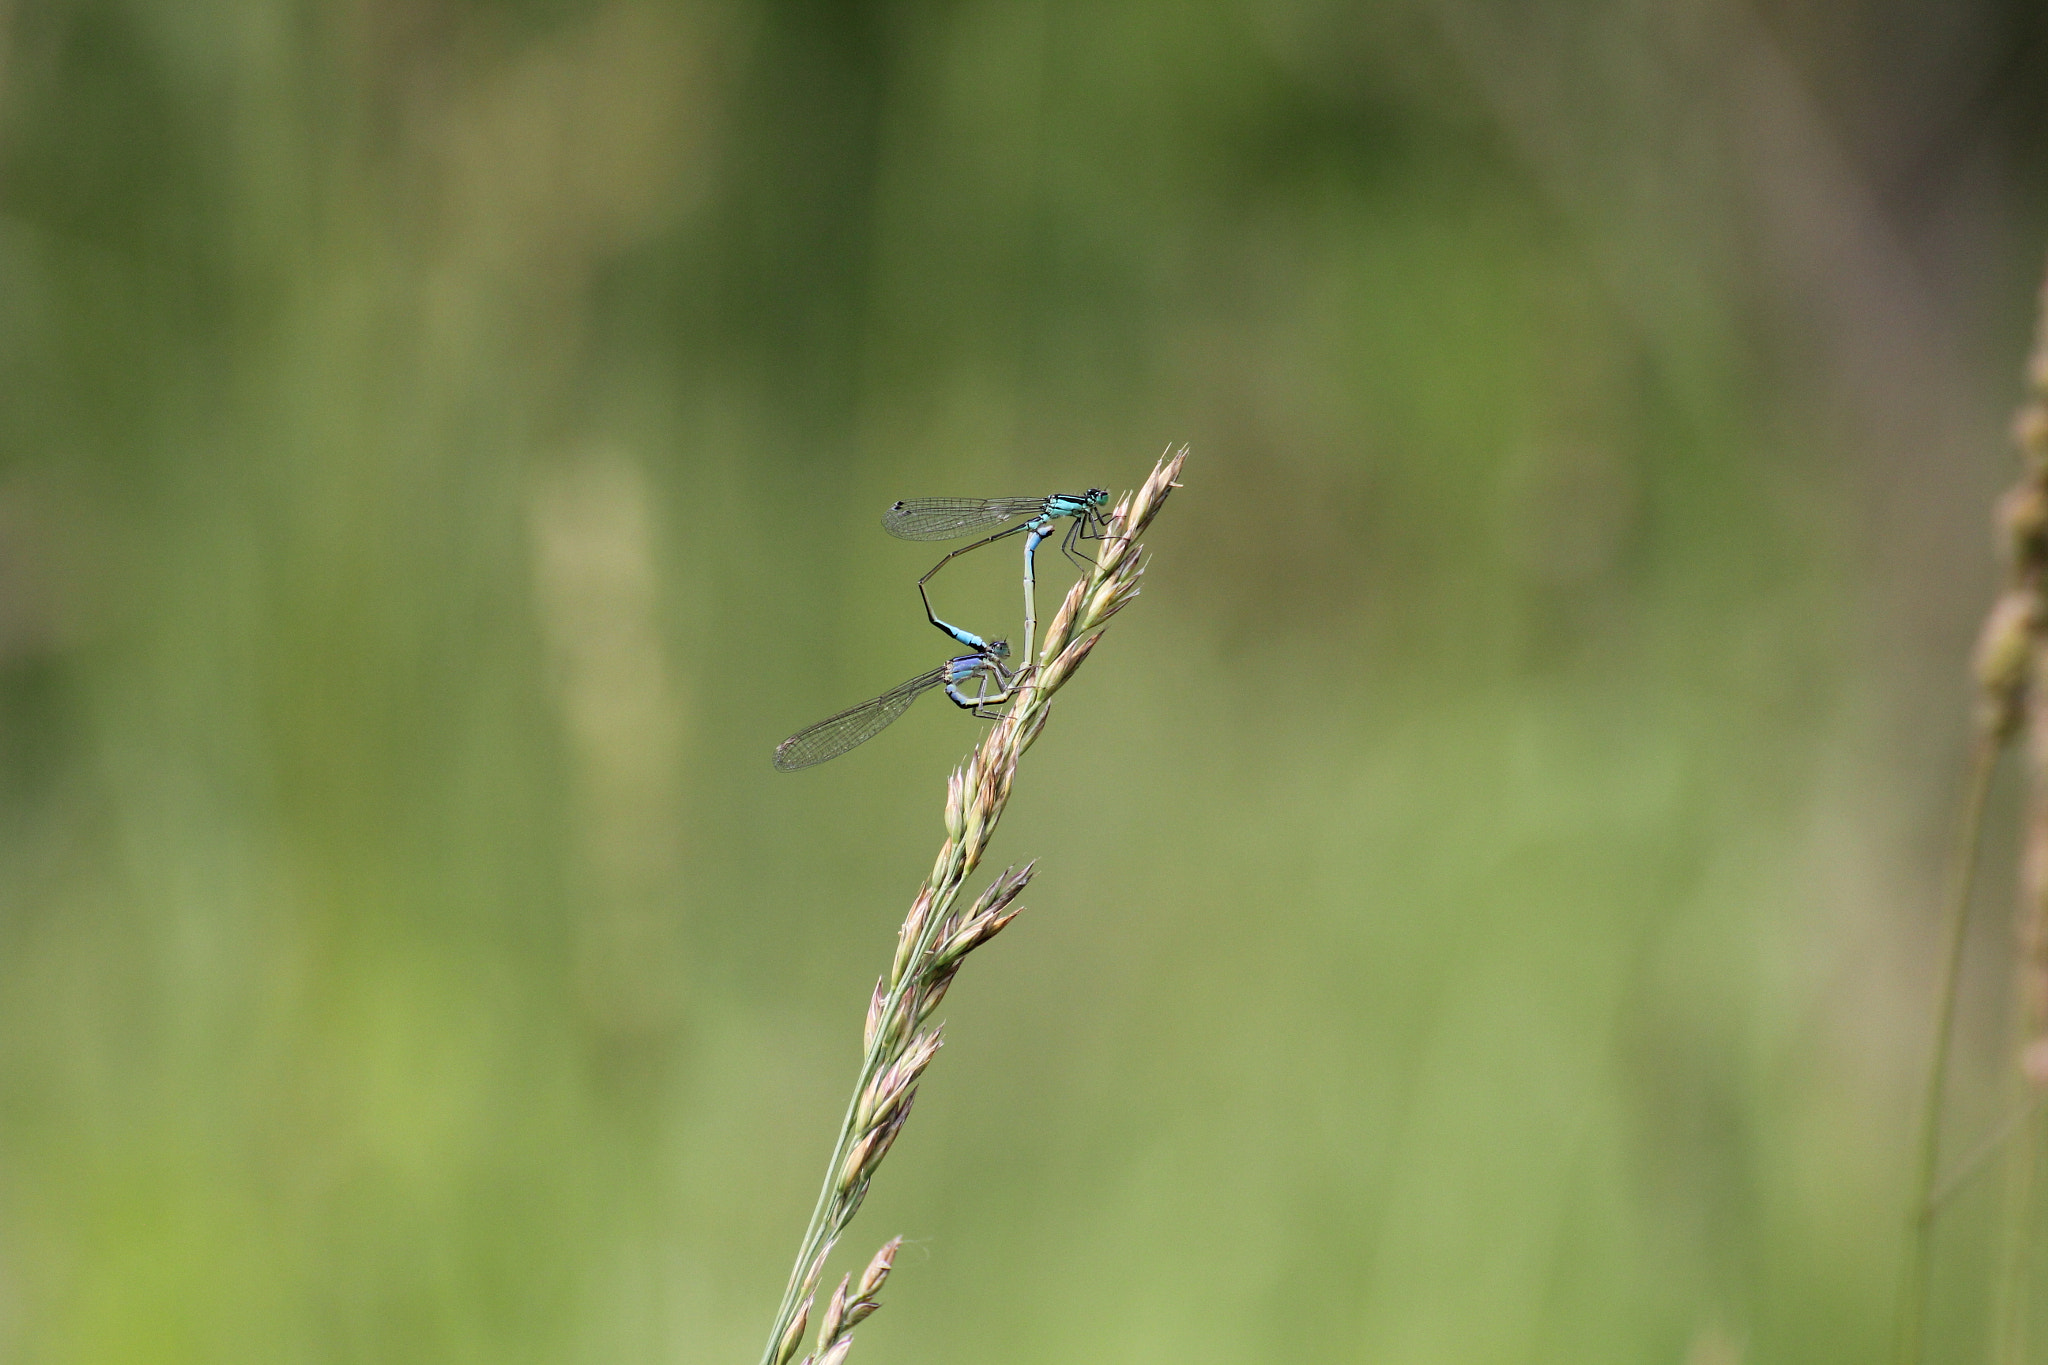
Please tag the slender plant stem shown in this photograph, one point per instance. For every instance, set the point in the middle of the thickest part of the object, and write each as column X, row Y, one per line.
column 1987, row 1147
column 1962, row 882
column 2009, row 1301
column 819, row 1233
column 901, row 1036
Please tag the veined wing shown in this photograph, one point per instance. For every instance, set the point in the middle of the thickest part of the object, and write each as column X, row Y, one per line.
column 834, row 735
column 948, row 518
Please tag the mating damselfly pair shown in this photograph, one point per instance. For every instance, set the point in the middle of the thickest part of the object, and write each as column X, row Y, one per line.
column 983, row 666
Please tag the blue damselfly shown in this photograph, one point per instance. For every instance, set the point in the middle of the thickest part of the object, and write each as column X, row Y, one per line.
column 834, row 735
column 950, row 518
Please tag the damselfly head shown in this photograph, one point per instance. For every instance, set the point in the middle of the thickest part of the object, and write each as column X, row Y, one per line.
column 1098, row 498
column 999, row 648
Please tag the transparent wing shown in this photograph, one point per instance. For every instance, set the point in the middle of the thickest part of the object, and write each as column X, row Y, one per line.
column 834, row 735
column 949, row 518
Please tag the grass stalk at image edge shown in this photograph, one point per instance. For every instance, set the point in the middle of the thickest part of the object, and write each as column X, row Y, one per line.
column 2011, row 665
column 901, row 1038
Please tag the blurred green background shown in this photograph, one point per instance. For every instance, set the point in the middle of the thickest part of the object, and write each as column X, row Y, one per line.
column 1486, row 893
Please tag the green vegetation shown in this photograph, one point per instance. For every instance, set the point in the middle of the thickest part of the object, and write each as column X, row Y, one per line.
column 1486, row 908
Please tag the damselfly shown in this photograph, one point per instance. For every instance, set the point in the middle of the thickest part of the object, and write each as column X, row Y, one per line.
column 834, row 735
column 950, row 518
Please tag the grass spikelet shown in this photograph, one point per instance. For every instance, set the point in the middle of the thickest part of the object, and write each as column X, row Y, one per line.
column 935, row 940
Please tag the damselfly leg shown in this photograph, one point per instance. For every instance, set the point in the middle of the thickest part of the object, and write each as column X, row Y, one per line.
column 1088, row 526
column 981, row 701
column 944, row 518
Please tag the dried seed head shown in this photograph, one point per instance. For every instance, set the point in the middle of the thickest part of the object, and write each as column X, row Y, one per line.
column 877, row 1273
column 912, row 930
column 875, row 1003
column 976, row 934
column 983, row 923
column 817, row 1268
column 1112, row 593
column 935, row 991
column 1004, row 889
column 835, row 1312
column 888, row 1095
column 994, row 924
column 916, row 1058
column 2004, row 653
column 1071, row 658
column 1062, row 627
column 1112, row 603
column 881, row 1094
column 886, row 1135
column 1029, row 736
column 942, row 867
column 867, row 1153
column 956, row 813
column 793, row 1335
column 856, row 1162
column 1118, row 530
column 1136, row 511
column 870, row 1099
column 1006, row 885
column 895, row 1028
column 835, row 1354
column 1165, row 477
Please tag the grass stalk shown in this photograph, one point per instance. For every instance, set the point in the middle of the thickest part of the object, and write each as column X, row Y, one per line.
column 901, row 1036
column 2011, row 1316
column 1956, row 918
column 2024, row 517
column 1987, row 1147
column 2011, row 663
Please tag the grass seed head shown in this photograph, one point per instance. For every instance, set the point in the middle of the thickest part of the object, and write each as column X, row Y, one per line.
column 2004, row 657
column 793, row 1335
column 956, row 804
column 885, row 1136
column 934, row 991
column 935, row 940
column 1062, row 627
column 875, row 1004
column 835, row 1312
column 913, row 929
column 877, row 1274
